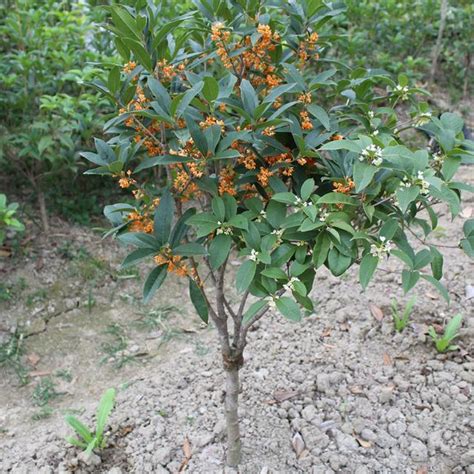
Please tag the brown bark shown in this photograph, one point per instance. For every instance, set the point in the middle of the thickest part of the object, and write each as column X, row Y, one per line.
column 439, row 39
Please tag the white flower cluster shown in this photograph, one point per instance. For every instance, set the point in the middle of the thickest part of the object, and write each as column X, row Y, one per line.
column 290, row 285
column 272, row 301
column 253, row 255
column 418, row 181
column 278, row 233
column 223, row 229
column 372, row 154
column 381, row 249
column 438, row 158
column 299, row 202
column 402, row 91
column 323, row 215
column 262, row 215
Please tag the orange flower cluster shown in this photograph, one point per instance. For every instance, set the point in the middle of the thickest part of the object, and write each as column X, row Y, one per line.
column 336, row 136
column 174, row 263
column 226, row 181
column 344, row 187
column 166, row 72
column 209, row 121
column 281, row 158
column 308, row 47
column 221, row 37
column 305, row 121
column 129, row 67
column 125, row 180
column 263, row 176
column 269, row 131
column 306, row 98
column 249, row 160
column 140, row 223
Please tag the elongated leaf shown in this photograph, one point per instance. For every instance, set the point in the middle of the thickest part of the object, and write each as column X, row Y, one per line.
column 105, row 408
column 320, row 114
column 245, row 275
column 288, row 308
column 153, row 282
column 253, row 309
column 189, row 250
column 79, row 428
column 367, row 269
column 137, row 256
column 199, row 301
column 140, row 239
column 409, row 279
column 219, row 250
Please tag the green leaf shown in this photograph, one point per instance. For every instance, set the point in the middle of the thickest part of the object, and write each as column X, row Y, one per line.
column 320, row 114
column 138, row 255
column 239, row 221
column 245, row 275
column 389, row 228
column 196, row 134
column 342, row 145
column 288, row 308
column 105, row 408
column 113, row 81
column 164, row 217
column 210, row 89
column 140, row 239
column 249, row 97
column 285, row 197
column 406, row 196
column 307, row 189
column 409, row 279
column 183, row 103
column 338, row 263
column 153, row 282
column 338, row 198
column 274, row 272
column 363, row 174
column 436, row 263
column 199, row 301
column 162, row 160
column 218, row 208
column 452, row 328
column 422, row 258
column 321, row 249
column 367, row 268
column 79, row 428
column 140, row 53
column 219, row 250
column 190, row 250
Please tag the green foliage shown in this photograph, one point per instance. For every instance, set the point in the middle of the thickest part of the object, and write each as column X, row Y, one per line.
column 400, row 36
column 401, row 321
column 451, row 331
column 8, row 220
column 310, row 198
column 46, row 112
column 11, row 351
column 87, row 439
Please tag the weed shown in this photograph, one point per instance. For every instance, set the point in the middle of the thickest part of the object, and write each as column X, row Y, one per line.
column 43, row 413
column 10, row 356
column 87, row 439
column 443, row 343
column 11, row 291
column 64, row 374
column 155, row 318
column 44, row 392
column 39, row 295
column 116, row 348
column 401, row 322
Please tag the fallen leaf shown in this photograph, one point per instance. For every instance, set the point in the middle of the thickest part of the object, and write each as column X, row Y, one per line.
column 298, row 444
column 40, row 373
column 125, row 430
column 432, row 296
column 356, row 389
column 33, row 359
column 364, row 443
column 187, row 448
column 377, row 313
column 466, row 213
column 4, row 252
column 387, row 360
column 282, row 395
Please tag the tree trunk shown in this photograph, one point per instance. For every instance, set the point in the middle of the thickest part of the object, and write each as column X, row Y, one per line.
column 234, row 453
column 43, row 211
column 439, row 39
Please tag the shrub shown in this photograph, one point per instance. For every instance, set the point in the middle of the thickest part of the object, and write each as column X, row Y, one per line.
column 47, row 115
column 237, row 134
column 8, row 220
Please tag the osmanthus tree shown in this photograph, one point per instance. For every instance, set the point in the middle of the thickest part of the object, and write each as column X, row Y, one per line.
column 237, row 135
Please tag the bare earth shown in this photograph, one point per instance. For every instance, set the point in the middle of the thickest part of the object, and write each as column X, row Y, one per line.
column 340, row 392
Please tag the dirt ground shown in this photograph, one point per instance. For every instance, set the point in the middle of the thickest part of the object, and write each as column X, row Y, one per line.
column 339, row 392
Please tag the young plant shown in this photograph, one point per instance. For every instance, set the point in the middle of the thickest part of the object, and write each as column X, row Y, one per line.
column 90, row 440
column 443, row 343
column 8, row 220
column 237, row 141
column 401, row 322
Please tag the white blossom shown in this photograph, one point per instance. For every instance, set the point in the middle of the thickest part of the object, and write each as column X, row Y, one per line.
column 290, row 286
column 372, row 154
column 253, row 255
column 382, row 248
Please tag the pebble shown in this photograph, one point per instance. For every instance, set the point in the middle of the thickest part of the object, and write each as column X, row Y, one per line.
column 418, row 451
column 397, row 428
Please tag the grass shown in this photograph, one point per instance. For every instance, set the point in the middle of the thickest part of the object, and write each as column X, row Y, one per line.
column 115, row 349
column 10, row 356
column 12, row 290
column 44, row 392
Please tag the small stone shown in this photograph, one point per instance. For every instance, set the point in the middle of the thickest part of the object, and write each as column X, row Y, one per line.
column 89, row 459
column 467, row 458
column 309, row 413
column 418, row 451
column 397, row 428
column 385, row 394
column 162, row 456
column 417, row 432
column 345, row 442
column 115, row 470
column 368, row 434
